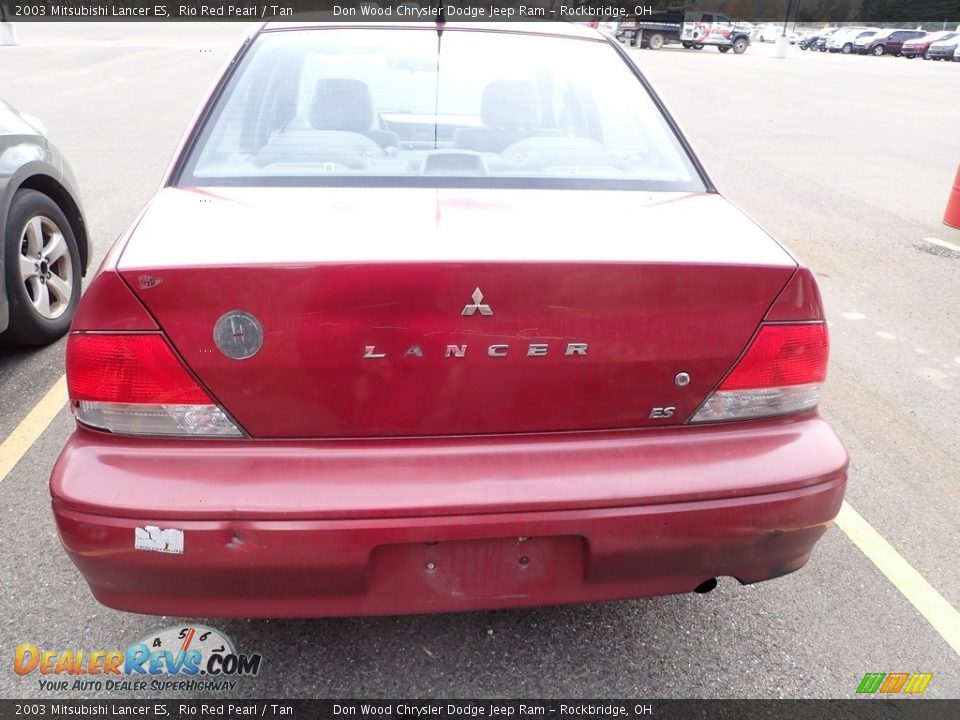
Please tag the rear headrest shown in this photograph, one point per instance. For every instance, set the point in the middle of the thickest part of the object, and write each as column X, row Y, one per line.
column 510, row 104
column 342, row 104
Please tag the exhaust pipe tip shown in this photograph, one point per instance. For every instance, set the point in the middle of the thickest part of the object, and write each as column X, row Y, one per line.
column 706, row 586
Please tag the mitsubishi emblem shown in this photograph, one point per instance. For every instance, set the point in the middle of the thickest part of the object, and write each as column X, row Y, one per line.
column 478, row 304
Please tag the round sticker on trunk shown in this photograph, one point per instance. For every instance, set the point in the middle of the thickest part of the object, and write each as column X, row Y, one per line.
column 238, row 335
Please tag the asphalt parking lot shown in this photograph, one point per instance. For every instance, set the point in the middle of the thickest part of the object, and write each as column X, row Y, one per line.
column 848, row 160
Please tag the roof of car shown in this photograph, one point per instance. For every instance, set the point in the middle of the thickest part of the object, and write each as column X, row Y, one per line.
column 562, row 29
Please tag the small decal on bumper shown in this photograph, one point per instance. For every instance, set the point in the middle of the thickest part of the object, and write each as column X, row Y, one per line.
column 165, row 540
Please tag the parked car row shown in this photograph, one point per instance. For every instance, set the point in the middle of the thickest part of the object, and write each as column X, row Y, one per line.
column 939, row 45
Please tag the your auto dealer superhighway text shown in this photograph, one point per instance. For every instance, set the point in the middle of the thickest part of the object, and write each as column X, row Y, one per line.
column 482, row 710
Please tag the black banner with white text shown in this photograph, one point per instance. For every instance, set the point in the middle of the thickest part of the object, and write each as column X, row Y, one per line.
column 946, row 13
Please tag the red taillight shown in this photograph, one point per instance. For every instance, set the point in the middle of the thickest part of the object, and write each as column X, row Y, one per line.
column 782, row 371
column 128, row 369
column 135, row 384
column 782, row 355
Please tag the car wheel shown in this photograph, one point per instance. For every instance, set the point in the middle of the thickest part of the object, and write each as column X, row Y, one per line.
column 739, row 46
column 879, row 50
column 655, row 42
column 698, row 47
column 846, row 49
column 723, row 49
column 43, row 271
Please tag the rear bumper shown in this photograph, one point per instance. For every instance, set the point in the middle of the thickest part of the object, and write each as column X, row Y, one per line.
column 323, row 529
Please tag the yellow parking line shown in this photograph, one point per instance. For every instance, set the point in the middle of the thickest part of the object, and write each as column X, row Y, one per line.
column 943, row 243
column 922, row 595
column 32, row 426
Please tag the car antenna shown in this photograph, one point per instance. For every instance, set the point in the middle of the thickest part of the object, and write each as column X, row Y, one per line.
column 441, row 21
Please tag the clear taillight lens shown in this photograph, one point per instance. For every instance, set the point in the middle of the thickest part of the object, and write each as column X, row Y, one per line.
column 135, row 384
column 780, row 374
column 145, row 419
column 759, row 403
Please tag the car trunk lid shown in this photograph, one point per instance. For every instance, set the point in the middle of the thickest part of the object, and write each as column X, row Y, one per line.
column 408, row 312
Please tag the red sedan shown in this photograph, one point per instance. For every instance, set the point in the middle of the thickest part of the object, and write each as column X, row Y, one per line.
column 920, row 46
column 379, row 344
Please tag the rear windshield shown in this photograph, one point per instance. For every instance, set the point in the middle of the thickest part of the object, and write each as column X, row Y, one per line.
column 382, row 106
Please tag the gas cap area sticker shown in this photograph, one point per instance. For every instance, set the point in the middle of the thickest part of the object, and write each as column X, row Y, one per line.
column 238, row 335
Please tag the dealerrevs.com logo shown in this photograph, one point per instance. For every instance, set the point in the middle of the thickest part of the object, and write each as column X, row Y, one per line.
column 183, row 658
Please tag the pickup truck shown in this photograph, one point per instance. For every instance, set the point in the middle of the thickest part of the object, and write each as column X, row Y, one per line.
column 692, row 30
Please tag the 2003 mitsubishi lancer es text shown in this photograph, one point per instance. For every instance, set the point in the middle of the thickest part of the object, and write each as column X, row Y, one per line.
column 374, row 347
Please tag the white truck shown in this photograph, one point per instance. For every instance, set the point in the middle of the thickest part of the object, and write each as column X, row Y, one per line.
column 691, row 29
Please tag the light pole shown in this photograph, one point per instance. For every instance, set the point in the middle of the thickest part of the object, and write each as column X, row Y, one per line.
column 780, row 47
column 7, row 35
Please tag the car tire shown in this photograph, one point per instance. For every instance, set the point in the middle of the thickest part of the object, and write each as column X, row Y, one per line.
column 698, row 47
column 879, row 50
column 723, row 49
column 655, row 42
column 740, row 46
column 846, row 49
column 43, row 296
